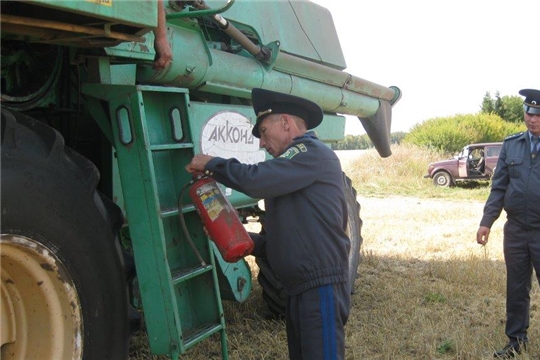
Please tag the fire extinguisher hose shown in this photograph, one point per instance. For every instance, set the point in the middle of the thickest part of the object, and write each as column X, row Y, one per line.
column 183, row 222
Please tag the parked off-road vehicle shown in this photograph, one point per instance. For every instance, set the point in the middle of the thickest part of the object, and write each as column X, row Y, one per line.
column 474, row 162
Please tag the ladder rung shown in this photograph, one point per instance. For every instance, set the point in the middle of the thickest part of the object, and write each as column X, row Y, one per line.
column 195, row 336
column 165, row 147
column 186, row 274
column 169, row 213
column 174, row 211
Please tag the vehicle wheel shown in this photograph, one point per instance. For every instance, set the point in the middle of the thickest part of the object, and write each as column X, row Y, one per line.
column 63, row 289
column 29, row 73
column 442, row 179
column 273, row 292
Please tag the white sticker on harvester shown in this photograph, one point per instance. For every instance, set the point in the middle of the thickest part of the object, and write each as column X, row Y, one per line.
column 227, row 134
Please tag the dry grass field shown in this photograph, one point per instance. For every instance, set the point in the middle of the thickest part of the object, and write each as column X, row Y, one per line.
column 425, row 289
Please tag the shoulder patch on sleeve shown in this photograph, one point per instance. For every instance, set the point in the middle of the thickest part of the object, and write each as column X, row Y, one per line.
column 293, row 151
column 290, row 153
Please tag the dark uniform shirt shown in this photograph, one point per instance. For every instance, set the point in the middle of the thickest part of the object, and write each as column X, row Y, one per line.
column 515, row 185
column 306, row 212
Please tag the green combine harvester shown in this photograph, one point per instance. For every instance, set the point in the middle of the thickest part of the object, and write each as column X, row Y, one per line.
column 94, row 145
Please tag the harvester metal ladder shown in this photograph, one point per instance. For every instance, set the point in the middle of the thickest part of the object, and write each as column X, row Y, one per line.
column 150, row 129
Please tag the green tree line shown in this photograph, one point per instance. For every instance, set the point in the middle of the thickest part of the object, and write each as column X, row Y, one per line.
column 498, row 117
column 363, row 142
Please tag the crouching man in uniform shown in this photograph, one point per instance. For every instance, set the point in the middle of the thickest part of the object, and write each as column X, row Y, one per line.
column 306, row 216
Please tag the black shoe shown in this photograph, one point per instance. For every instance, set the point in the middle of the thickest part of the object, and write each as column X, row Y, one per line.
column 509, row 351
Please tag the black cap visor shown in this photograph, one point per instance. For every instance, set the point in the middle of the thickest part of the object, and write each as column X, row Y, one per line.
column 531, row 110
column 267, row 102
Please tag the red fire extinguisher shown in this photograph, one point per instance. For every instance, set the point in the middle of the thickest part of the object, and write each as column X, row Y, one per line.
column 220, row 220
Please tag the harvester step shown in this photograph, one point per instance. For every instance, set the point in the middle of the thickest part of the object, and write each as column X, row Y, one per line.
column 201, row 333
column 165, row 213
column 166, row 147
column 186, row 274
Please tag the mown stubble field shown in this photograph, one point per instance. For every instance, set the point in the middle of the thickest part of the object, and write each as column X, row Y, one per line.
column 425, row 289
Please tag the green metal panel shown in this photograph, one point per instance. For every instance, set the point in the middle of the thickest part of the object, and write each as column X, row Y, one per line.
column 139, row 13
column 303, row 28
column 178, row 285
column 332, row 128
column 234, row 280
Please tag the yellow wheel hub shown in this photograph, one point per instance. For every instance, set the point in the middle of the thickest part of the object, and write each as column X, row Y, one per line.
column 39, row 307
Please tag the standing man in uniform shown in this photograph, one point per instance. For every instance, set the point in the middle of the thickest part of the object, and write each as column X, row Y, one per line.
column 516, row 187
column 306, row 215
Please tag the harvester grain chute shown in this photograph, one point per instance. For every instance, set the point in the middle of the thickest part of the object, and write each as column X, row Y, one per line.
column 279, row 69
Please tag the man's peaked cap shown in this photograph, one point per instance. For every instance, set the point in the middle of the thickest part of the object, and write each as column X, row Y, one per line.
column 266, row 102
column 531, row 104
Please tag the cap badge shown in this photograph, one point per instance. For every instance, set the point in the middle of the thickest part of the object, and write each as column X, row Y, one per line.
column 261, row 113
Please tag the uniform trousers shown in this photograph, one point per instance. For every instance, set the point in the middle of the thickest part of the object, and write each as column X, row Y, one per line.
column 315, row 322
column 521, row 255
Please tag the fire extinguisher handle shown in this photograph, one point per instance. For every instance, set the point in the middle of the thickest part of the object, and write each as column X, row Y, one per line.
column 195, row 178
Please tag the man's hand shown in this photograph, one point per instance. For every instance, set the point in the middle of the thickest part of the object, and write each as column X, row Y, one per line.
column 197, row 164
column 482, row 235
column 163, row 53
column 163, row 49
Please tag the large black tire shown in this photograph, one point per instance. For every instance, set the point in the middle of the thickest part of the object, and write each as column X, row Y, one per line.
column 64, row 293
column 273, row 291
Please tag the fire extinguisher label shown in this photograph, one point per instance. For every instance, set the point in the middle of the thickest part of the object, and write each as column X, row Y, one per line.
column 209, row 195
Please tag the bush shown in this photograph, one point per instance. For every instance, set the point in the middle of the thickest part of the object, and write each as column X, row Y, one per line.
column 450, row 134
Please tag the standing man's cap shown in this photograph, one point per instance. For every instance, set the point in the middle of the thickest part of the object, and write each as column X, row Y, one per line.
column 266, row 102
column 531, row 104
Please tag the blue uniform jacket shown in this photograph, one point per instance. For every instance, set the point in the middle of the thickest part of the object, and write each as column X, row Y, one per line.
column 515, row 185
column 306, row 212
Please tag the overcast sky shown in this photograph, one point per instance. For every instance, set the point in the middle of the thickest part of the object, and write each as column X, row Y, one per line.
column 443, row 55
